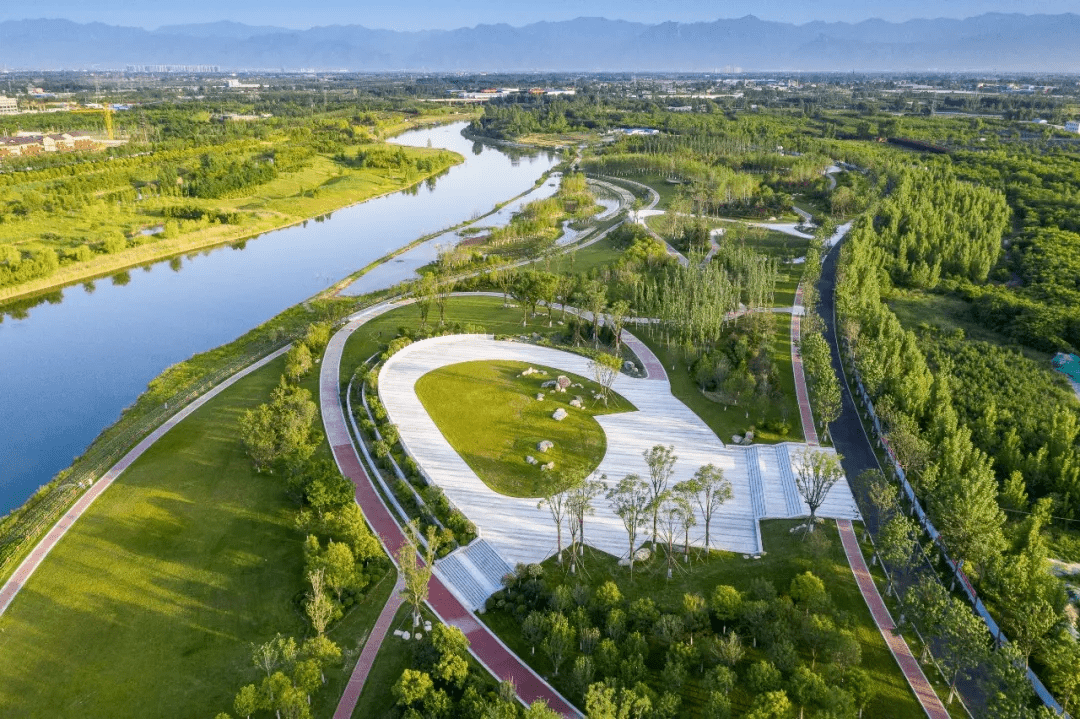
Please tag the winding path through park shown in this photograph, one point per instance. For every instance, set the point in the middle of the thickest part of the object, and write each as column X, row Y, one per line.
column 913, row 673
column 502, row 663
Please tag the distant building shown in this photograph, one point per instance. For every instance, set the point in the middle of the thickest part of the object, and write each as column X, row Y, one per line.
column 233, row 84
column 8, row 106
column 1073, row 125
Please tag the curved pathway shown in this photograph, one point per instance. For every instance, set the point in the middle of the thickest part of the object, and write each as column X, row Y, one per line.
column 924, row 692
column 19, row 578
column 916, row 679
column 483, row 644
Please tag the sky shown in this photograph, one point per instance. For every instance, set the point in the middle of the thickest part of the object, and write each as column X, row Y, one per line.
column 446, row 14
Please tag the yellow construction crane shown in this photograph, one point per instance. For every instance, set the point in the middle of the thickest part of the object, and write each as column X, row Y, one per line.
column 106, row 110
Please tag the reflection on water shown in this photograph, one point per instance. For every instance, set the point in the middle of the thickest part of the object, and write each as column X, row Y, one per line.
column 72, row 359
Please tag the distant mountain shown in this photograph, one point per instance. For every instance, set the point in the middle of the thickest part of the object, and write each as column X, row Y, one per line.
column 991, row 42
column 223, row 29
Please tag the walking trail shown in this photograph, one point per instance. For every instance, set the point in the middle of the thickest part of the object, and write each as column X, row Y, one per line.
column 502, row 663
column 913, row 673
column 925, row 693
column 374, row 641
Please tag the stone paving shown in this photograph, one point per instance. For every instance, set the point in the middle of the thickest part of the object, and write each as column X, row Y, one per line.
column 522, row 532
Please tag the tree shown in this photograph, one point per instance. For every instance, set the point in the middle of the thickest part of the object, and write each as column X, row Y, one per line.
column 686, row 493
column 525, row 291
column 282, row 429
column 617, row 316
column 412, row 687
column 710, row 490
column 547, row 288
column 896, row 543
column 726, row 604
column 532, row 630
column 816, row 474
column 661, row 462
column 444, row 287
column 318, row 607
column 417, row 572
column 558, row 503
column 805, row 687
column 558, row 639
column 962, row 639
column 580, row 506
column 631, row 500
column 298, row 362
column 729, row 649
column 695, row 614
column 674, row 508
column 808, row 591
column 595, row 296
column 340, row 567
column 861, row 686
column 770, row 705
column 247, row 701
column 424, row 290
column 605, row 370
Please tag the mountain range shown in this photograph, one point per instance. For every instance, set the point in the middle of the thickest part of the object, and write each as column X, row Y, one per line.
column 991, row 42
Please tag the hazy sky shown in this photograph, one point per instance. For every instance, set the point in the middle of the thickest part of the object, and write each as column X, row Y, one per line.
column 432, row 14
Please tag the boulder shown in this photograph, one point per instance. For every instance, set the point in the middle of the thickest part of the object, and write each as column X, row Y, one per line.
column 539, row 396
column 642, row 554
column 576, row 402
column 748, row 438
column 559, row 415
column 549, row 383
column 736, row 439
column 545, row 445
column 547, row 467
column 629, row 366
column 562, row 382
column 528, row 372
column 530, row 459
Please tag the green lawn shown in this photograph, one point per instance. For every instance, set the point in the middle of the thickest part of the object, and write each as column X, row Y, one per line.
column 150, row 604
column 786, row 556
column 505, row 422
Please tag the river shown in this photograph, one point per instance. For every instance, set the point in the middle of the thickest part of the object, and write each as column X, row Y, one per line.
column 71, row 365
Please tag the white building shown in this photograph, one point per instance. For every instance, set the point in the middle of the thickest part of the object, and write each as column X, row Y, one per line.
column 8, row 106
column 1071, row 125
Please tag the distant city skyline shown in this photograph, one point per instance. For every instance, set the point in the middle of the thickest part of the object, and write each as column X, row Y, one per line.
column 433, row 15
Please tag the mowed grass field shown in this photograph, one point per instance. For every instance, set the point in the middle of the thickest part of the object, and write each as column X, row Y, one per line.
column 505, row 422
column 150, row 604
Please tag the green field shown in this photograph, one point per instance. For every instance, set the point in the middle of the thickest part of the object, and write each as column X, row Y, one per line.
column 505, row 422
column 786, row 556
column 152, row 601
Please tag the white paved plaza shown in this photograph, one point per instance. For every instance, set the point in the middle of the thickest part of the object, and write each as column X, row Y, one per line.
column 762, row 476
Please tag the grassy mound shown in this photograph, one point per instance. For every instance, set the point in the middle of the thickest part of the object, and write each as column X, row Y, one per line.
column 489, row 413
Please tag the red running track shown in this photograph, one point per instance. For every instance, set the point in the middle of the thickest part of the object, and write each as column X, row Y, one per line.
column 925, row 693
column 483, row 644
column 801, row 394
column 363, row 666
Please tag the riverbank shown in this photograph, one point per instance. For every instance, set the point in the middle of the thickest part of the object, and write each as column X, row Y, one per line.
column 294, row 204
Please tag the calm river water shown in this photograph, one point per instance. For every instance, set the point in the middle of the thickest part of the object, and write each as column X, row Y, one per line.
column 70, row 367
